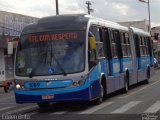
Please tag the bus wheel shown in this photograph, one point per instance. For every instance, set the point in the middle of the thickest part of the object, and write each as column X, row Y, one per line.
column 43, row 105
column 99, row 100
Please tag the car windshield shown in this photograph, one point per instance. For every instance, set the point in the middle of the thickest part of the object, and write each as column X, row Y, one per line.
column 51, row 53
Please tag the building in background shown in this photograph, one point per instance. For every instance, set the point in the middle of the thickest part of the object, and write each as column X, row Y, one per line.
column 144, row 24
column 11, row 25
column 155, row 33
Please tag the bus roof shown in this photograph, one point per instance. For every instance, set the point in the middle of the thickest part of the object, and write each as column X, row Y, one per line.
column 140, row 31
column 107, row 23
column 68, row 22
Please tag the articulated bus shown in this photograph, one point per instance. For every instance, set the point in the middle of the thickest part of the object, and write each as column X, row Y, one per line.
column 79, row 58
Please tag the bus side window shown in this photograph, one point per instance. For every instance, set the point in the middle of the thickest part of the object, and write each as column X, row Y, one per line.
column 100, row 50
column 142, row 46
column 146, row 46
column 92, row 56
column 123, row 44
column 100, row 45
column 107, row 43
column 97, row 32
column 149, row 44
column 136, row 41
column 128, row 47
column 114, row 37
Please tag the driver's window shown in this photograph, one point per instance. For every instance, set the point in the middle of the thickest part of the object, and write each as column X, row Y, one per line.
column 94, row 46
column 92, row 56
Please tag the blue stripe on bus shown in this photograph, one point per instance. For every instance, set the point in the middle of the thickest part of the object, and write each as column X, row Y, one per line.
column 55, row 91
column 49, row 84
column 115, row 68
column 127, row 63
column 143, row 62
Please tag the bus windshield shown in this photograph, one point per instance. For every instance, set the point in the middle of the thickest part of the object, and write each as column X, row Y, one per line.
column 51, row 53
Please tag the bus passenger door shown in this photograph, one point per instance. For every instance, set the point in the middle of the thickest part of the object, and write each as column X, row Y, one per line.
column 137, row 51
column 134, row 53
column 108, row 55
column 114, row 62
column 107, row 50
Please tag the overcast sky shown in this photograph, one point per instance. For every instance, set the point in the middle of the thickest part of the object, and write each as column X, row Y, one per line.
column 113, row 10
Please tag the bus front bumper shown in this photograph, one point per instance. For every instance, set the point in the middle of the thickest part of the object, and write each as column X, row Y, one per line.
column 37, row 96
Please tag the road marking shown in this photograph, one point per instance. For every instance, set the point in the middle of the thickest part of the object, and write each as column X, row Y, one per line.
column 126, row 107
column 135, row 92
column 96, row 108
column 2, row 99
column 58, row 113
column 21, row 109
column 6, row 108
column 7, row 103
column 154, row 108
column 32, row 113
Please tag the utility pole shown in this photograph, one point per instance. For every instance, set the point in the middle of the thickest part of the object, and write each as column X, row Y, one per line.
column 149, row 26
column 88, row 3
column 57, row 9
column 149, row 16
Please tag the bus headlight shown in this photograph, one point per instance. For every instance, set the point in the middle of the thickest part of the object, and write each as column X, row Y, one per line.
column 78, row 82
column 18, row 86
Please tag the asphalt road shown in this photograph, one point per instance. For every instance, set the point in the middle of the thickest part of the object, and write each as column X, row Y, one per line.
column 142, row 102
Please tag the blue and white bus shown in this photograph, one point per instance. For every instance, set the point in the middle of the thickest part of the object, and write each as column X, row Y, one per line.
column 79, row 58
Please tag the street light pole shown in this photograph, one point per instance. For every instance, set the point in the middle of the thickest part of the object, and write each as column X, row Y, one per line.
column 57, row 10
column 149, row 27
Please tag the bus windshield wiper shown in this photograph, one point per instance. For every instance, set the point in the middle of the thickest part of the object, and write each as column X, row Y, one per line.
column 59, row 65
column 31, row 74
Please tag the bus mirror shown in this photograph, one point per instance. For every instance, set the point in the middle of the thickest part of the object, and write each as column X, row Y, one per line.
column 92, row 43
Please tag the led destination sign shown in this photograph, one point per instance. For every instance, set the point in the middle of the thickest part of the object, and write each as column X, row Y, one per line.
column 51, row 37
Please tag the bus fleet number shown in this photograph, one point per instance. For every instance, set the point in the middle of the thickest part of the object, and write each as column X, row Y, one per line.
column 34, row 85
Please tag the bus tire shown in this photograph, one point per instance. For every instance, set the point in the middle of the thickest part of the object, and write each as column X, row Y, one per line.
column 99, row 100
column 44, row 105
column 126, row 84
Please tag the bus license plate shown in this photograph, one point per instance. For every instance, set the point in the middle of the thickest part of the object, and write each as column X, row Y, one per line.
column 47, row 97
